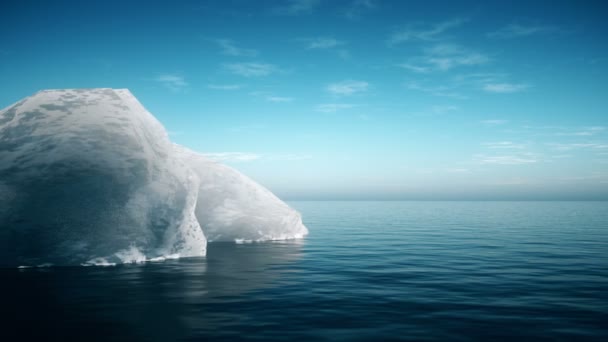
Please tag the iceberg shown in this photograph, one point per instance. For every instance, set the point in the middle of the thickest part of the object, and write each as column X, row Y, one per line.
column 235, row 208
column 89, row 176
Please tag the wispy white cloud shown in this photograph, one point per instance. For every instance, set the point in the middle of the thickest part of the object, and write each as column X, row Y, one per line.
column 296, row 7
column 327, row 44
column 457, row 170
column 358, row 7
column 497, row 83
column 232, row 156
column 347, row 88
column 504, row 88
column 333, row 107
column 423, row 32
column 172, row 82
column 494, row 122
column 518, row 30
column 283, row 99
column 239, row 157
column 448, row 62
column 270, row 97
column 566, row 131
column 434, row 111
column 251, row 69
column 575, row 146
column 323, row 43
column 577, row 134
column 506, row 159
column 229, row 48
column 415, row 68
column 443, row 91
column 504, row 145
column 225, row 86
column 596, row 128
column 584, row 132
column 443, row 57
column 478, row 79
column 447, row 56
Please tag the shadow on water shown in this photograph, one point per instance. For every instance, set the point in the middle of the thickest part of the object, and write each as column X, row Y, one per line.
column 153, row 301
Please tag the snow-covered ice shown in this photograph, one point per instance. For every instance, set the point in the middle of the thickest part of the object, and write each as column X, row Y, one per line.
column 89, row 176
column 232, row 207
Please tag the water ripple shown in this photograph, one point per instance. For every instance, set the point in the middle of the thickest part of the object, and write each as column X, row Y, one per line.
column 368, row 271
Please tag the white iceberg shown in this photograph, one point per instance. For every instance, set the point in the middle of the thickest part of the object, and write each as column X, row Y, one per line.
column 88, row 176
column 232, row 207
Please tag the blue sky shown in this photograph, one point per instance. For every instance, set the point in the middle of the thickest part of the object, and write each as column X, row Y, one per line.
column 355, row 99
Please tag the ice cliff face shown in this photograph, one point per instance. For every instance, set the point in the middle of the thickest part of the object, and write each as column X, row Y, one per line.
column 232, row 207
column 90, row 176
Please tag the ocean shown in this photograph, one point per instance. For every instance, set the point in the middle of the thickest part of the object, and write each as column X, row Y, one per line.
column 368, row 271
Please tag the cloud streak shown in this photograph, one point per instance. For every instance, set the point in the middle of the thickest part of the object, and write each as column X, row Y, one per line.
column 229, row 48
column 333, row 107
column 172, row 82
column 447, row 56
column 358, row 7
column 242, row 157
column 517, row 30
column 347, row 88
column 504, row 88
column 279, row 99
column 415, row 68
column 419, row 33
column 506, row 159
column 434, row 111
column 584, row 132
column 577, row 146
column 503, row 145
column 442, row 91
column 323, row 43
column 297, row 7
column 232, row 156
column 444, row 57
column 224, row 86
column 270, row 97
column 251, row 69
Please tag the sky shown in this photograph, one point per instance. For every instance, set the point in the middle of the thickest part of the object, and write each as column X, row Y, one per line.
column 356, row 99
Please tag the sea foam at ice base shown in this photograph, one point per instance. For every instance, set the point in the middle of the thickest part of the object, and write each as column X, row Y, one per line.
column 88, row 176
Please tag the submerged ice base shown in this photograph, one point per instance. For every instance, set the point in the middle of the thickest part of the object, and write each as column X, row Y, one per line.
column 90, row 177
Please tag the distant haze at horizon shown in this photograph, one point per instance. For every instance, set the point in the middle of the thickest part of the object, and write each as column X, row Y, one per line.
column 346, row 100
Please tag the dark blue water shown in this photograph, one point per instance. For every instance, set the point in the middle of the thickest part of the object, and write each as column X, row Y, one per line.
column 367, row 271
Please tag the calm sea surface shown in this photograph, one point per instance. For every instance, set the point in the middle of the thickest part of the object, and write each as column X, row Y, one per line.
column 367, row 271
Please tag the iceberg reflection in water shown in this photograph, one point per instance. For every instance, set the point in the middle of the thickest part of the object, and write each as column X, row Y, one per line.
column 166, row 300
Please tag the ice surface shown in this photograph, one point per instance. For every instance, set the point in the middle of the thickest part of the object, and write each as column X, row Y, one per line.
column 90, row 177
column 232, row 207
